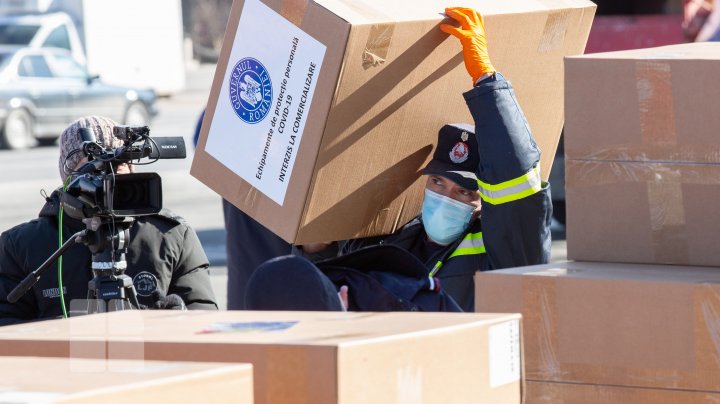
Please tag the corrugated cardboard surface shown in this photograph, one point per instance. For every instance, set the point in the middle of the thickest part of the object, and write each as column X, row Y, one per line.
column 389, row 80
column 303, row 357
column 642, row 155
column 46, row 380
column 644, row 105
column 662, row 213
column 646, row 326
column 566, row 393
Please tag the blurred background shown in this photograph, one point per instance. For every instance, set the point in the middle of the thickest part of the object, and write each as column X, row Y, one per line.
column 152, row 63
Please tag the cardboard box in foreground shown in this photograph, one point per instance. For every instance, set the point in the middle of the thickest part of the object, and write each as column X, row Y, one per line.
column 643, row 155
column 77, row 380
column 643, row 326
column 565, row 393
column 305, row 357
column 322, row 112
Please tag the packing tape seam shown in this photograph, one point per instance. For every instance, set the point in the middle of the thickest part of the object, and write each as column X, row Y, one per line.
column 543, row 305
column 553, row 35
column 377, row 45
column 588, row 173
column 648, row 162
column 657, row 125
column 623, row 386
column 711, row 316
column 665, row 152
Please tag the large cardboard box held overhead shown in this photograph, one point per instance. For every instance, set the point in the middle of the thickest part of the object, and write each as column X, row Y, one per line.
column 117, row 381
column 322, row 112
column 632, row 325
column 308, row 357
column 643, row 155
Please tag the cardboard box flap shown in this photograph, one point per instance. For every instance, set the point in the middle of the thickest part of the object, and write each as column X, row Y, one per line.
column 637, row 272
column 359, row 12
column 692, row 51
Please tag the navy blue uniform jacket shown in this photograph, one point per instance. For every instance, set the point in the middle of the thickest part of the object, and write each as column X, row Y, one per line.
column 514, row 226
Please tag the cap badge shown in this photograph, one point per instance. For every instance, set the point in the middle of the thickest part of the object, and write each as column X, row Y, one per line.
column 464, row 136
column 459, row 153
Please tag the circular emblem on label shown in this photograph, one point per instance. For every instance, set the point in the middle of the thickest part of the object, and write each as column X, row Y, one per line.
column 145, row 283
column 459, row 153
column 250, row 90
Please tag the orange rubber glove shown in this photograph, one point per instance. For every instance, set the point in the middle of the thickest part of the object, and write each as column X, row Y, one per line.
column 472, row 37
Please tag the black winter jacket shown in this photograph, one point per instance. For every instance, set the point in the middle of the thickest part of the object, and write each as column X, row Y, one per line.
column 164, row 257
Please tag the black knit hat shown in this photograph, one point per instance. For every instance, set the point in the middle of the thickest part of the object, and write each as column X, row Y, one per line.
column 456, row 155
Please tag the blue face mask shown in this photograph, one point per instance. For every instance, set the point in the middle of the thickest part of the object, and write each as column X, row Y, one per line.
column 445, row 219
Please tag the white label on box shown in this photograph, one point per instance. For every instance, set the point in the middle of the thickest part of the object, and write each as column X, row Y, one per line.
column 504, row 346
column 265, row 99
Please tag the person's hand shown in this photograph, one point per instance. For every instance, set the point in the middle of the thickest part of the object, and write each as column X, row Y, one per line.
column 169, row 302
column 343, row 295
column 472, row 37
column 695, row 15
column 313, row 248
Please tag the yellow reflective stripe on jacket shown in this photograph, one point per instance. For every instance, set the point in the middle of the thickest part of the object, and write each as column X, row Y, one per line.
column 508, row 191
column 471, row 244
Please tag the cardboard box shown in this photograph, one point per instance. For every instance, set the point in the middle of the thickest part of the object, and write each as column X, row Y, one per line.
column 644, row 326
column 642, row 155
column 354, row 93
column 563, row 393
column 306, row 357
column 75, row 380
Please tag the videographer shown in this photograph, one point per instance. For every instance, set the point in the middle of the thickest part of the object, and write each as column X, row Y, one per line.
column 164, row 257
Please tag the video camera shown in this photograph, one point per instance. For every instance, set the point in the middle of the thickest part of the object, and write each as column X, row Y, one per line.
column 96, row 190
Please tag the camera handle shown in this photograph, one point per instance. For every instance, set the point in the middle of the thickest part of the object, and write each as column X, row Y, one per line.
column 34, row 276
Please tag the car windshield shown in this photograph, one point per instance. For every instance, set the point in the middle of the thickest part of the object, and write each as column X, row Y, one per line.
column 17, row 34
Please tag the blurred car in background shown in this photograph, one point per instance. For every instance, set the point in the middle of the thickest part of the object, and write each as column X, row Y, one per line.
column 48, row 30
column 42, row 90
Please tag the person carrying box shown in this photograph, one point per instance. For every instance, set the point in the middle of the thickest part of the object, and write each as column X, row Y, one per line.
column 485, row 205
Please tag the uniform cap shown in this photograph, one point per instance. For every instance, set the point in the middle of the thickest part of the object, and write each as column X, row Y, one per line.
column 456, row 156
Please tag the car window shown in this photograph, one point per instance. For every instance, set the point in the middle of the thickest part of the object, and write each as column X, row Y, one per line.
column 4, row 59
column 34, row 66
column 58, row 38
column 66, row 67
column 17, row 34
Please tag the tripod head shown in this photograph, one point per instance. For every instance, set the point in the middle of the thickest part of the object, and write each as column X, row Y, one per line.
column 107, row 239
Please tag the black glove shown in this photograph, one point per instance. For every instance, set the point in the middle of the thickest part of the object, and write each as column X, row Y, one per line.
column 169, row 302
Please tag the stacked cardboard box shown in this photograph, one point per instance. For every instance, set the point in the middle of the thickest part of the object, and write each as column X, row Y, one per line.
column 322, row 112
column 643, row 155
column 613, row 332
column 306, row 357
column 564, row 393
column 76, row 380
column 642, row 181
